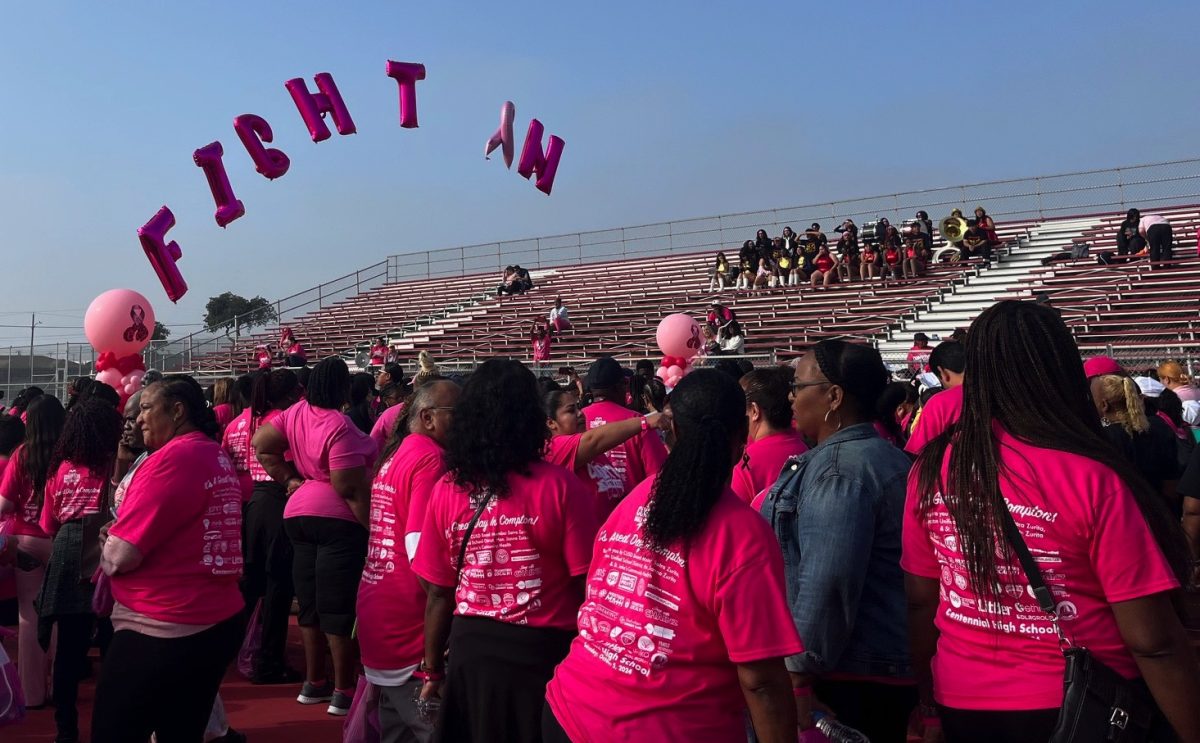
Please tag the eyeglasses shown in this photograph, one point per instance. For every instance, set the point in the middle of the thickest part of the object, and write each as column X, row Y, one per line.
column 442, row 407
column 793, row 386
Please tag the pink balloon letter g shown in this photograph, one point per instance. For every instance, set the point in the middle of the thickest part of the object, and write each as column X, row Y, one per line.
column 253, row 131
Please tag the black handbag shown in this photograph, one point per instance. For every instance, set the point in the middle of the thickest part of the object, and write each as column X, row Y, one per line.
column 1098, row 703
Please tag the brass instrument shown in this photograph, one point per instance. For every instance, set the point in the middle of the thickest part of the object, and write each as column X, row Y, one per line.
column 953, row 228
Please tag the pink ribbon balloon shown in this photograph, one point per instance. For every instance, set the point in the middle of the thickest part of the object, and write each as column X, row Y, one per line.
column 253, row 131
column 503, row 135
column 314, row 106
column 534, row 160
column 210, row 159
column 162, row 254
column 406, row 75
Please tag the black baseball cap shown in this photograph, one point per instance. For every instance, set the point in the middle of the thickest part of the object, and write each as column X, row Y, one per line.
column 604, row 373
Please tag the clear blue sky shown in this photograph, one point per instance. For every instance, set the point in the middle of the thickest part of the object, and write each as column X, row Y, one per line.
column 668, row 110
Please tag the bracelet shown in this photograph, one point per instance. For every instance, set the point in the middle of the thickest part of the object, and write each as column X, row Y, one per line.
column 645, row 425
column 426, row 674
column 802, row 691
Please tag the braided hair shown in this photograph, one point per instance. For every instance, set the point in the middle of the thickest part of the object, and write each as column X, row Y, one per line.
column 1047, row 406
column 709, row 412
column 858, row 370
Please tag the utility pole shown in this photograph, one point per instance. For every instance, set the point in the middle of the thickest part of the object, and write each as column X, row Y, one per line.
column 32, row 326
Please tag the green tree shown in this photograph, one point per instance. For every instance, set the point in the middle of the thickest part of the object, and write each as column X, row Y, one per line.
column 161, row 332
column 221, row 311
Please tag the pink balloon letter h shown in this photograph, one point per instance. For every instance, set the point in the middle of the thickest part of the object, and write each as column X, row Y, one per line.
column 313, row 106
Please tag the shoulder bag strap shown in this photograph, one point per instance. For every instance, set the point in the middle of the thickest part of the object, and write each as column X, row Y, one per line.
column 462, row 550
column 1033, row 574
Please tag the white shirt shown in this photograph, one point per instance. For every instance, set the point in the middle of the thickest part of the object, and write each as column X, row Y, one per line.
column 733, row 343
column 557, row 313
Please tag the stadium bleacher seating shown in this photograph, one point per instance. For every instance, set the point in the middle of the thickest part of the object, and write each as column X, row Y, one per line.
column 616, row 306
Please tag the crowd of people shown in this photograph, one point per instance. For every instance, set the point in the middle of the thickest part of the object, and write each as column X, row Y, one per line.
column 512, row 557
column 880, row 251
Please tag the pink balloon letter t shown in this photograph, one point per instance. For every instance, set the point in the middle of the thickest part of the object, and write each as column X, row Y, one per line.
column 406, row 75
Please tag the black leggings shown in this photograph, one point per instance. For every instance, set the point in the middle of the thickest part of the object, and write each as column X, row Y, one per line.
column 167, row 687
column 268, row 572
column 988, row 726
column 879, row 711
column 1159, row 239
column 328, row 564
column 70, row 661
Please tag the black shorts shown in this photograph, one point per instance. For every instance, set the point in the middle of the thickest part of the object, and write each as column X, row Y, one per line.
column 328, row 564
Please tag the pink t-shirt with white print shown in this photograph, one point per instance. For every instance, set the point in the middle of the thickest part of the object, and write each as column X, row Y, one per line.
column 257, row 473
column 322, row 440
column 939, row 413
column 523, row 552
column 17, row 488
column 236, row 441
column 183, row 512
column 619, row 470
column 1084, row 528
column 72, row 493
column 661, row 630
column 391, row 602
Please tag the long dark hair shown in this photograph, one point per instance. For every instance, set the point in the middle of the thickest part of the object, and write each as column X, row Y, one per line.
column 271, row 391
column 329, row 384
column 1047, row 406
column 709, row 411
column 183, row 389
column 499, row 427
column 89, row 437
column 43, row 428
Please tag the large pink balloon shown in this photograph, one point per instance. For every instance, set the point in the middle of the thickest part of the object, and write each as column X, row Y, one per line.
column 120, row 321
column 111, row 377
column 679, row 335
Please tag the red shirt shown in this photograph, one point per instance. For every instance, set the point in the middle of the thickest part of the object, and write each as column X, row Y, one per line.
column 183, row 512
column 918, row 359
column 236, row 441
column 73, row 492
column 378, row 355
column 631, row 462
column 660, row 631
column 1083, row 526
column 391, row 602
column 524, row 550
column 766, row 457
column 18, row 489
column 942, row 409
column 891, row 256
column 823, row 262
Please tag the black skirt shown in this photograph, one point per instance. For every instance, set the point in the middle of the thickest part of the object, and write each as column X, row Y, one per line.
column 496, row 681
column 64, row 590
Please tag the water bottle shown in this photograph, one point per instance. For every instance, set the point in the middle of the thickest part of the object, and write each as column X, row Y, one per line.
column 836, row 731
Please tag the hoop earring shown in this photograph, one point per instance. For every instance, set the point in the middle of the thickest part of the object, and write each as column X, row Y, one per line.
column 827, row 412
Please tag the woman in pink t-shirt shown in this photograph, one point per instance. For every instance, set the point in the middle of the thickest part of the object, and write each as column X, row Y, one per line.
column 174, row 555
column 222, row 401
column 329, row 485
column 505, row 545
column 772, row 440
column 22, row 492
column 986, row 656
column 82, row 465
column 266, row 550
column 685, row 624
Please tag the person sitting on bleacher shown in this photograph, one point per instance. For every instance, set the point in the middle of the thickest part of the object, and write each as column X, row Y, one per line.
column 791, row 248
column 1159, row 238
column 891, row 263
column 847, row 226
column 975, row 243
column 1127, row 228
column 783, row 262
column 1131, row 242
column 719, row 316
column 847, row 255
column 558, row 318
column 824, row 268
column 917, row 252
column 508, row 282
column 748, row 261
column 731, row 340
column 924, row 223
column 524, row 281
column 918, row 355
column 721, row 273
column 810, row 246
column 988, row 225
column 868, row 262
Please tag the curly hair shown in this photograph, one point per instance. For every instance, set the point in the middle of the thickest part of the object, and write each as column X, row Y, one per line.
column 709, row 411
column 89, row 436
column 499, row 427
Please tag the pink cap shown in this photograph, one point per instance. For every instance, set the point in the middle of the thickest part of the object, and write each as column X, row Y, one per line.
column 1099, row 365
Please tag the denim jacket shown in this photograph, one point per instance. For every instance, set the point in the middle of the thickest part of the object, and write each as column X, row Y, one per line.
column 837, row 511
